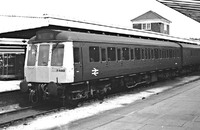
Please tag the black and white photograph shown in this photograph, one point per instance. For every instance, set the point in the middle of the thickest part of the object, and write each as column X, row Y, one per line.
column 100, row 65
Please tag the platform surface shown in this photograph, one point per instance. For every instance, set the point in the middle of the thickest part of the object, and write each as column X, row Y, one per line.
column 174, row 109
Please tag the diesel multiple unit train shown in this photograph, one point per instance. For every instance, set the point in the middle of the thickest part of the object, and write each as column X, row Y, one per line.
column 71, row 66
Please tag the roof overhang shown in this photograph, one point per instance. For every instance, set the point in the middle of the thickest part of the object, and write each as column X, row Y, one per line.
column 190, row 8
column 60, row 23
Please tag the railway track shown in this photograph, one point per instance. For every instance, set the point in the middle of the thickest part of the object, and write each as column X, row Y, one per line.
column 22, row 114
column 15, row 116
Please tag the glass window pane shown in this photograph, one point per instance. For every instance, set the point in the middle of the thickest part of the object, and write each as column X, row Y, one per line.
column 149, row 53
column 111, row 54
column 94, row 54
column 103, row 54
column 43, row 55
column 137, row 54
column 76, row 55
column 132, row 55
column 125, row 53
column 119, row 54
column 142, row 50
column 57, row 55
column 32, row 51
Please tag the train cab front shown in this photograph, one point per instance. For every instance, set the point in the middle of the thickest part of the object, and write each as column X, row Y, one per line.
column 48, row 68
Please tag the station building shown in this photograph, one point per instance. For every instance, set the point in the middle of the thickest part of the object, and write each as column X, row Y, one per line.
column 151, row 21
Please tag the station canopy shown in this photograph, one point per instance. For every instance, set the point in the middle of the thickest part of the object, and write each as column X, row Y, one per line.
column 25, row 27
column 190, row 8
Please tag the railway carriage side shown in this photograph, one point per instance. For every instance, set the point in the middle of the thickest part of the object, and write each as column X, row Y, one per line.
column 73, row 65
column 104, row 59
column 190, row 54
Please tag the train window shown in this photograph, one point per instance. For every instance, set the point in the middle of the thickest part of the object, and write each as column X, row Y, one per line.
column 167, row 53
column 170, row 53
column 111, row 54
column 43, row 55
column 137, row 54
column 145, row 53
column 119, row 54
column 152, row 54
column 149, row 53
column 94, row 54
column 142, row 50
column 125, row 53
column 32, row 51
column 156, row 53
column 132, row 54
column 160, row 53
column 173, row 53
column 76, row 55
column 163, row 53
column 57, row 55
column 103, row 54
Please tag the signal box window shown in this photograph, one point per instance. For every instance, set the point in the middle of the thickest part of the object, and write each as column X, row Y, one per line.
column 32, row 51
column 94, row 54
column 76, row 55
column 137, row 54
column 111, row 54
column 43, row 55
column 125, row 52
column 103, row 54
column 57, row 55
column 119, row 54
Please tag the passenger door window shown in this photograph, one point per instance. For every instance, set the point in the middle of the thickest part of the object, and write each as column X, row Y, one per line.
column 119, row 54
column 103, row 54
column 94, row 54
column 76, row 55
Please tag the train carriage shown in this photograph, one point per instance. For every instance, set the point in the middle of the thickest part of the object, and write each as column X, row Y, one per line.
column 74, row 65
column 190, row 54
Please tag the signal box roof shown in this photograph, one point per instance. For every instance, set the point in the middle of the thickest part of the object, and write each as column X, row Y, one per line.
column 150, row 15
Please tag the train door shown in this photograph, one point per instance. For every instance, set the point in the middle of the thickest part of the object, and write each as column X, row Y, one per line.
column 94, row 61
column 78, row 64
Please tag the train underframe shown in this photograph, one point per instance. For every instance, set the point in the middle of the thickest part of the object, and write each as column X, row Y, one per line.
column 71, row 94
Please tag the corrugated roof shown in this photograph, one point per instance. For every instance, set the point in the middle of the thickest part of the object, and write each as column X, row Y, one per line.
column 150, row 15
column 190, row 8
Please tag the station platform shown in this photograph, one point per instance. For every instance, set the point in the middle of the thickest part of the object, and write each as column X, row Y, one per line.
column 10, row 85
column 174, row 109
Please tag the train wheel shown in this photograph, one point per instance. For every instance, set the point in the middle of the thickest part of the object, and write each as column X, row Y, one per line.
column 33, row 97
